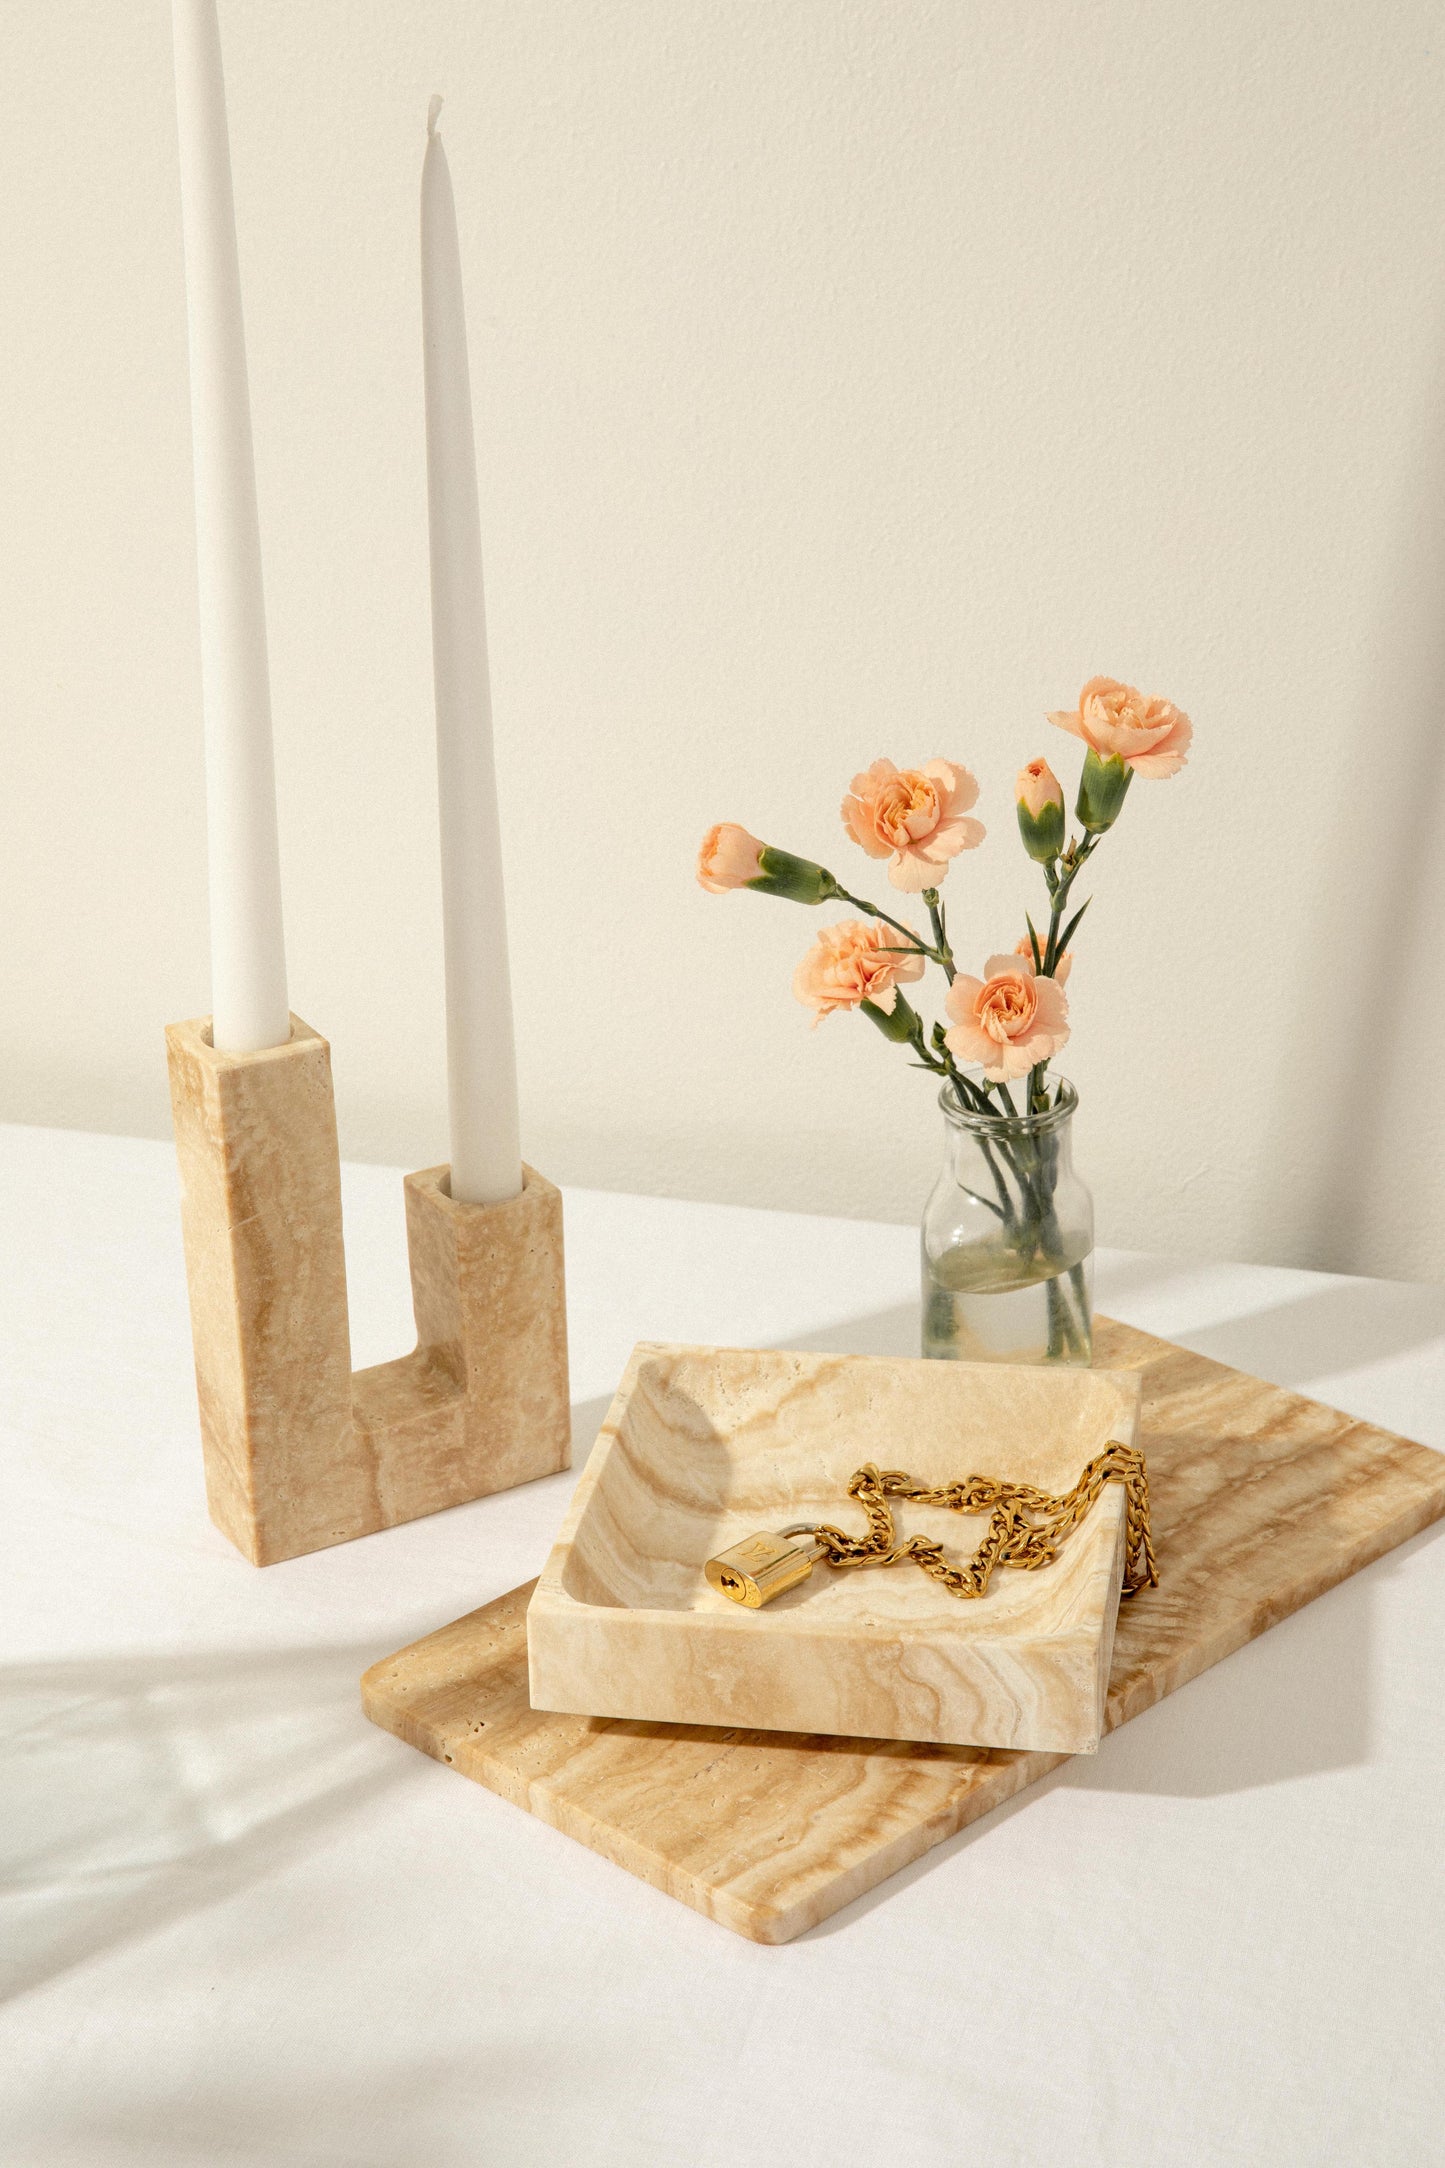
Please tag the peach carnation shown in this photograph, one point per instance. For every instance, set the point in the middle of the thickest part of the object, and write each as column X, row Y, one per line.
column 1063, row 965
column 856, row 960
column 1151, row 736
column 1008, row 1020
column 728, row 858
column 915, row 816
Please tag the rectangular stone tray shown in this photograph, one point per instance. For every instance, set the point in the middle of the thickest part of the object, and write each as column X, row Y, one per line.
column 704, row 1446
column 1262, row 1500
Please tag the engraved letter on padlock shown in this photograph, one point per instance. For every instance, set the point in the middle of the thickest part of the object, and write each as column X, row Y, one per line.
column 763, row 1566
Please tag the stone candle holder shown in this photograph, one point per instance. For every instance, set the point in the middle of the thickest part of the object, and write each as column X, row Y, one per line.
column 300, row 1452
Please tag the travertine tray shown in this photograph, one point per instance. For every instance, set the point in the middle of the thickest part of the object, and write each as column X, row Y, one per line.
column 1261, row 1501
column 703, row 1446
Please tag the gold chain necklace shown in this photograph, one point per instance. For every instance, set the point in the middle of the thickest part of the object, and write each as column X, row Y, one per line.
column 1026, row 1528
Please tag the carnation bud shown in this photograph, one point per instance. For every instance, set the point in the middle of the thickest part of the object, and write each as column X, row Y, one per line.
column 1101, row 790
column 780, row 874
column 897, row 1023
column 1041, row 811
column 732, row 858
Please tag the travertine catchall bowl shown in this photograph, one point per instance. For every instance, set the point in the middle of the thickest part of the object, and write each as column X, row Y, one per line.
column 703, row 1446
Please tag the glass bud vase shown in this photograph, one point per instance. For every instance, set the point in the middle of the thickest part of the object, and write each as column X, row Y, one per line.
column 1008, row 1238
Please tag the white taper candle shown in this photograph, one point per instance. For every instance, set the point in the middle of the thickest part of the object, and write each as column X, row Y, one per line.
column 248, row 951
column 486, row 1157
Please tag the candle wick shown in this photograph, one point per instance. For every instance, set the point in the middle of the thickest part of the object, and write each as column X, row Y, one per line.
column 432, row 113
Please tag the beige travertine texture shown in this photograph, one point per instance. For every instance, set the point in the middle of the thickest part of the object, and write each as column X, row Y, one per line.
column 1261, row 1501
column 300, row 1453
column 703, row 1446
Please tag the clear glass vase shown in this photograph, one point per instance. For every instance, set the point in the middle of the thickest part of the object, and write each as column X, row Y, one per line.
column 1008, row 1238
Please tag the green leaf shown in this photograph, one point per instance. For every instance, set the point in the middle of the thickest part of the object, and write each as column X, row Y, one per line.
column 1069, row 931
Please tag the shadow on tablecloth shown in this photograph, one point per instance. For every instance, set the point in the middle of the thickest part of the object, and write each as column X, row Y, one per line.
column 139, row 1790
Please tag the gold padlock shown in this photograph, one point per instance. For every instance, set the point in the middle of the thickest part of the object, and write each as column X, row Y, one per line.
column 763, row 1566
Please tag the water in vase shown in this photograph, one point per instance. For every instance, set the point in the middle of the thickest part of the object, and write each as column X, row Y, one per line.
column 974, row 1313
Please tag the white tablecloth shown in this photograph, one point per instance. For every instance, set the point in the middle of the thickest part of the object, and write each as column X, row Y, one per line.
column 242, row 1926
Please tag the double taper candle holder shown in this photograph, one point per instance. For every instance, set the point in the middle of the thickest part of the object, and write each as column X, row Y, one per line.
column 300, row 1452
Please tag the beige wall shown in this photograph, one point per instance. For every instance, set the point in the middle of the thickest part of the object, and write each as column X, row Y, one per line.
column 850, row 378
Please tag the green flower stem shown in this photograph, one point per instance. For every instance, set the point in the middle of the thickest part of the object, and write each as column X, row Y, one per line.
column 972, row 1100
column 1081, row 1297
column 1051, row 1238
column 942, row 953
column 917, row 946
column 1030, row 1223
column 1033, row 1163
column 1057, row 1328
column 1035, row 1229
column 970, row 1097
column 1005, row 1197
column 1024, row 1208
column 1063, row 879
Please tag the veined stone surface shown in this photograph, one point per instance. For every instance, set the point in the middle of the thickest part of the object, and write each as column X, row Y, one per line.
column 1261, row 1500
column 704, row 1446
column 300, row 1453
